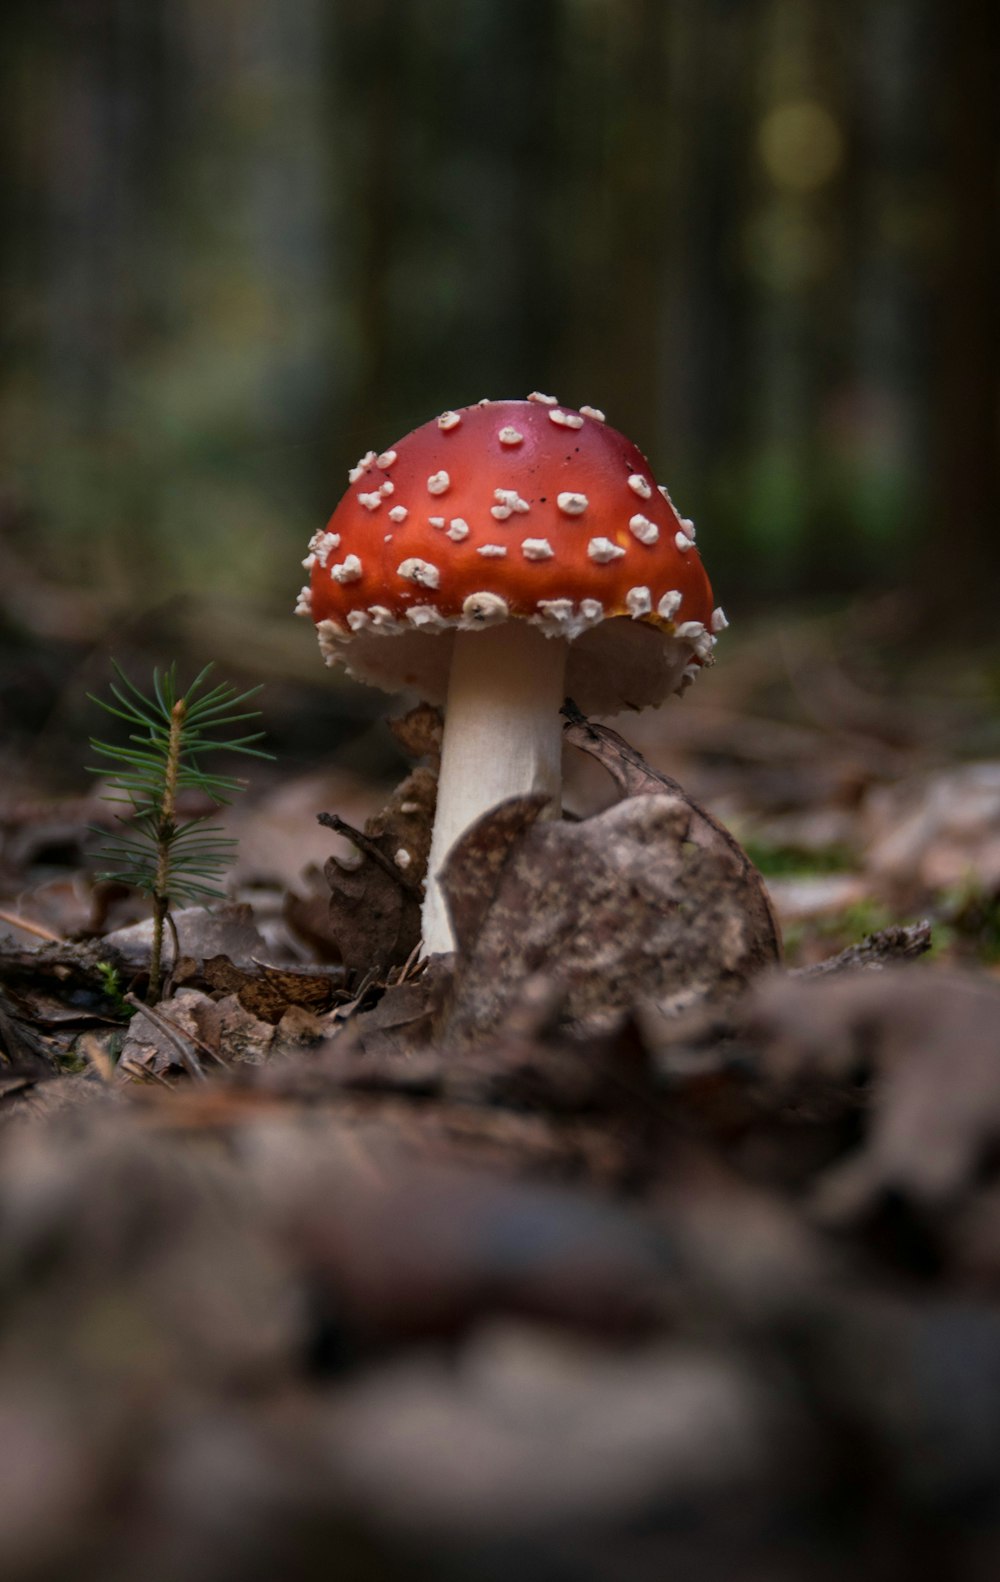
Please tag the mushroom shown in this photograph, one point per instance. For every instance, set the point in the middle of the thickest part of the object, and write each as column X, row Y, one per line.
column 496, row 559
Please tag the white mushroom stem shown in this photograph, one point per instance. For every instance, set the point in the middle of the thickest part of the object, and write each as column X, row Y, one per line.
column 502, row 738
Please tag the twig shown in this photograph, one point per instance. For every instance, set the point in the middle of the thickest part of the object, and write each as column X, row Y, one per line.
column 176, row 943
column 30, row 928
column 132, row 1068
column 365, row 844
column 347, row 1008
column 412, row 962
column 900, row 943
column 193, row 1039
column 98, row 1056
column 173, row 1035
column 575, row 716
column 19, row 1044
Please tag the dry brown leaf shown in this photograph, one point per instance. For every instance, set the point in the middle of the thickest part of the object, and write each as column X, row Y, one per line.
column 49, row 984
column 402, row 1247
column 404, row 825
column 148, row 1046
column 419, row 732
column 516, row 1433
column 634, row 777
column 20, row 1045
column 224, row 929
column 472, row 872
column 622, row 906
column 233, row 1030
column 308, row 916
column 374, row 921
column 935, row 831
column 374, row 908
column 268, row 991
column 927, row 1041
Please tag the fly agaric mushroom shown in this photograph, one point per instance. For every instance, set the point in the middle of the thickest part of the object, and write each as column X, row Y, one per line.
column 496, row 559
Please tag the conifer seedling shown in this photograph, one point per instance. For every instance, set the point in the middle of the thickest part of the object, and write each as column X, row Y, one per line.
column 169, row 858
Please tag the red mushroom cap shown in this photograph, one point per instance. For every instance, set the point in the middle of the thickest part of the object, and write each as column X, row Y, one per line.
column 512, row 510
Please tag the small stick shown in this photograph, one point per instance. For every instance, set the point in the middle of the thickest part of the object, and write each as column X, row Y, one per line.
column 98, row 1057
column 133, row 1069
column 30, row 928
column 173, row 1035
column 193, row 1039
column 410, row 964
column 168, row 977
column 367, row 846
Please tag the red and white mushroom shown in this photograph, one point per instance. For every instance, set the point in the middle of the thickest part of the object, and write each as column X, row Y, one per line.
column 497, row 559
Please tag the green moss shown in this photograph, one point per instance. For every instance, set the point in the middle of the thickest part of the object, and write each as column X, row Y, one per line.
column 970, row 921
column 794, row 862
column 866, row 917
column 838, row 930
column 112, row 986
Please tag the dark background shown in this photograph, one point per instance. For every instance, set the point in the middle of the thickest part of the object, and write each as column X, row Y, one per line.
column 241, row 243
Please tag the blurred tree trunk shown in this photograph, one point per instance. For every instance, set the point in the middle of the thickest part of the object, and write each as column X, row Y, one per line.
column 452, row 295
column 884, row 422
column 705, row 378
column 375, row 31
column 626, row 293
column 962, row 562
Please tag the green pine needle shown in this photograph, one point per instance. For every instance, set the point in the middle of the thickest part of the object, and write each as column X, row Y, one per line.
column 171, row 731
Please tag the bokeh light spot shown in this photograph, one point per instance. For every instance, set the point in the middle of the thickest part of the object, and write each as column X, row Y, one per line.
column 800, row 144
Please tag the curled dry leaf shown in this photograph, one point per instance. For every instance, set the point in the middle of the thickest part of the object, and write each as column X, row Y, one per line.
column 227, row 928
column 148, row 1043
column 266, row 991
column 414, row 1248
column 931, row 831
column 374, row 908
column 926, row 1041
column 117, row 1218
column 20, row 1045
column 233, row 1030
column 48, row 984
column 403, row 1019
column 626, row 905
column 403, row 827
column 514, row 1436
column 634, row 777
column 419, row 733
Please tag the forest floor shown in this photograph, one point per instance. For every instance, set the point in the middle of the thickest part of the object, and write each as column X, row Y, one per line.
column 619, row 1245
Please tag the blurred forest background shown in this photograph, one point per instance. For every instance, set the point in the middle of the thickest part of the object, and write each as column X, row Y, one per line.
column 241, row 243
